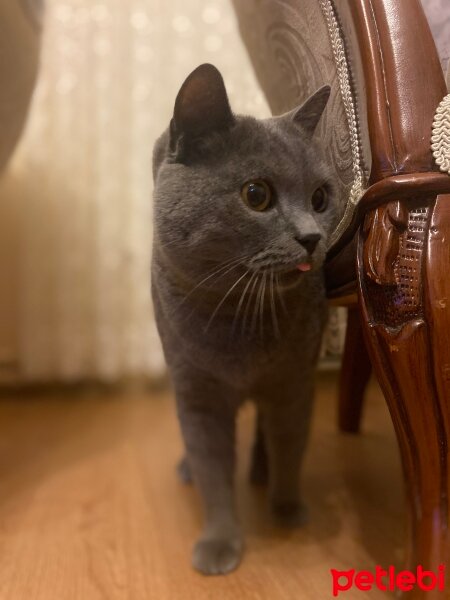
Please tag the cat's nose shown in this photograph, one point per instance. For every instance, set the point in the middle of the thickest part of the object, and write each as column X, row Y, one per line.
column 309, row 242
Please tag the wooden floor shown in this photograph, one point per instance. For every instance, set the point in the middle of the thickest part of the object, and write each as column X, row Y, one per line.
column 91, row 509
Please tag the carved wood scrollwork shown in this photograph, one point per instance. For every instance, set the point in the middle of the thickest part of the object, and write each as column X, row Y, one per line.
column 403, row 264
column 384, row 228
column 393, row 257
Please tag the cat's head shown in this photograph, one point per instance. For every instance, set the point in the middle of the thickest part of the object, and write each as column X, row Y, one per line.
column 232, row 187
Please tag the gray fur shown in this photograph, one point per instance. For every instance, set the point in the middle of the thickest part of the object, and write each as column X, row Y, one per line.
column 251, row 329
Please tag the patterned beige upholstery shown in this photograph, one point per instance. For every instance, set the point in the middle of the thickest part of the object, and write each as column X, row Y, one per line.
column 19, row 50
column 438, row 14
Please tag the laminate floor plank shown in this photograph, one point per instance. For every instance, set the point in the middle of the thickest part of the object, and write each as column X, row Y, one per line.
column 91, row 508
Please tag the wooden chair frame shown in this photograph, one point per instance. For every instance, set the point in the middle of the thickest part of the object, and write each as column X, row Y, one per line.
column 403, row 261
column 397, row 246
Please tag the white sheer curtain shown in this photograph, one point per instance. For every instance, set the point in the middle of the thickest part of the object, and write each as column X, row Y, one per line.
column 82, row 175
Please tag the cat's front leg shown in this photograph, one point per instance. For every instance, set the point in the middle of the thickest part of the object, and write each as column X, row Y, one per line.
column 286, row 421
column 207, row 412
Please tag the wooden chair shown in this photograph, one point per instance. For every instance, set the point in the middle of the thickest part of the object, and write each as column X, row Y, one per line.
column 390, row 263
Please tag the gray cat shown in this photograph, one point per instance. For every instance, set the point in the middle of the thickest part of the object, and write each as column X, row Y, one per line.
column 243, row 210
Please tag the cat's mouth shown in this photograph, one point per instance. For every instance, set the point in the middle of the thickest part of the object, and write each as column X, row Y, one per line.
column 291, row 268
column 290, row 278
column 288, row 275
column 285, row 264
column 286, row 268
column 304, row 267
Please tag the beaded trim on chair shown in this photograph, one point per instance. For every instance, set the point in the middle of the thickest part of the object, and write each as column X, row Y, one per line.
column 440, row 139
column 344, row 78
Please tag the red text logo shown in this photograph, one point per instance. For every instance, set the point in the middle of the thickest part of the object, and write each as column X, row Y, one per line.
column 388, row 580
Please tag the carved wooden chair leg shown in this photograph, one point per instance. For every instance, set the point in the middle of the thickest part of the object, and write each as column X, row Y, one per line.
column 405, row 302
column 355, row 374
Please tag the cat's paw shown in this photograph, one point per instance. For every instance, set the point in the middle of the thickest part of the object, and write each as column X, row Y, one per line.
column 217, row 556
column 290, row 515
column 184, row 471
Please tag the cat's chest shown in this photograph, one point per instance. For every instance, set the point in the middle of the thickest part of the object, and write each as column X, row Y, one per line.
column 241, row 349
column 243, row 355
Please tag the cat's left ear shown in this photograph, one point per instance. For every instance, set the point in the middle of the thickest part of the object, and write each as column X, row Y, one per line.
column 201, row 107
column 308, row 115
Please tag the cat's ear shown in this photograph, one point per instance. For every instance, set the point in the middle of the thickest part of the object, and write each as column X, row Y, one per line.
column 308, row 115
column 201, row 107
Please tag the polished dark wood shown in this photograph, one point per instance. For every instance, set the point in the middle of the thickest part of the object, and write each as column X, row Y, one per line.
column 355, row 374
column 403, row 264
column 404, row 83
column 395, row 187
column 408, row 333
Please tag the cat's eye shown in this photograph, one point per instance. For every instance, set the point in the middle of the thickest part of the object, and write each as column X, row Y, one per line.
column 319, row 199
column 257, row 194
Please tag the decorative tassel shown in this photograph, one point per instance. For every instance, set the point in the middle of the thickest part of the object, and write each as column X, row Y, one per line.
column 440, row 139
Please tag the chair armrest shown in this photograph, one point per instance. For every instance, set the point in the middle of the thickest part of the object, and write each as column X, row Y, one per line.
column 404, row 82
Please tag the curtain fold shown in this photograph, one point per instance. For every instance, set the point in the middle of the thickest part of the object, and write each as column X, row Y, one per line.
column 109, row 74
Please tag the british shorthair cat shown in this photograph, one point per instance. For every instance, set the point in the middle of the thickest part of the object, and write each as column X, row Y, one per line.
column 243, row 210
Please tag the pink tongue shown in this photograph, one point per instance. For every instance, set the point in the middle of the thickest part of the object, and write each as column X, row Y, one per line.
column 304, row 267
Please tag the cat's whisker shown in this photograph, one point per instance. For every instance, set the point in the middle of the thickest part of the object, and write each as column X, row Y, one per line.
column 222, row 270
column 256, row 306
column 224, row 298
column 241, row 301
column 280, row 295
column 249, row 301
column 236, row 259
column 273, row 307
column 217, row 268
column 261, row 305
column 162, row 246
column 231, row 268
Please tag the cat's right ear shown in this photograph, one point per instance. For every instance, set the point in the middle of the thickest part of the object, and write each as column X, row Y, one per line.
column 201, row 108
column 309, row 114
